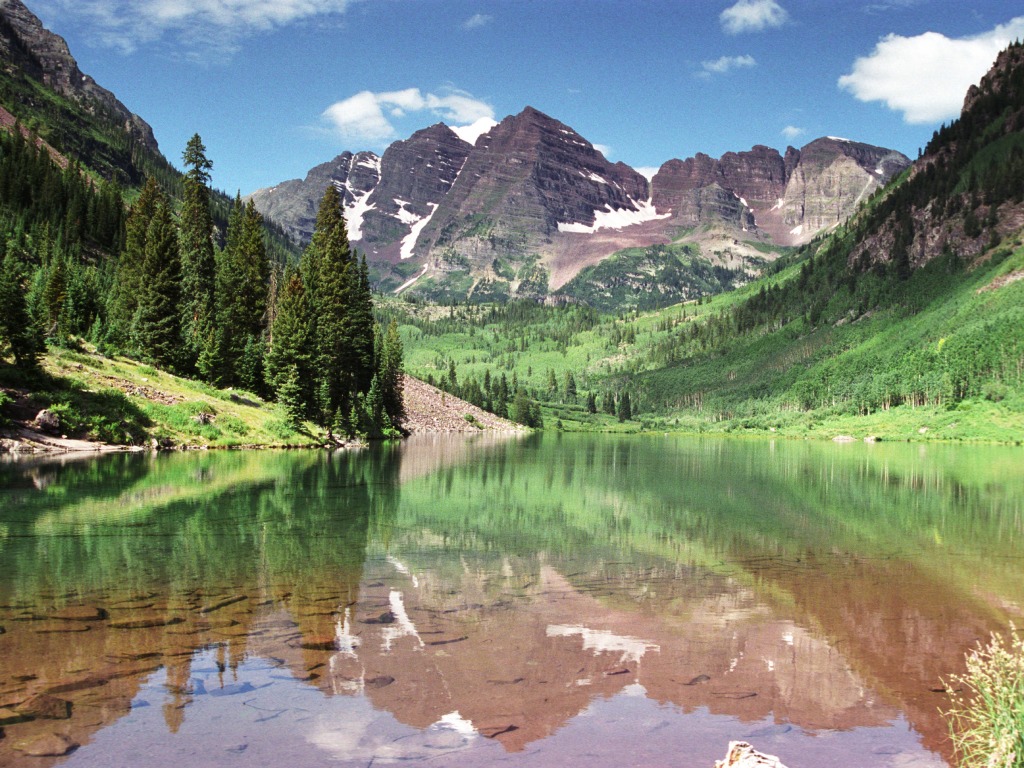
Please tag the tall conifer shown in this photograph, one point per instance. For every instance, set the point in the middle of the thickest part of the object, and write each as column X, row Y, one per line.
column 156, row 328
column 198, row 266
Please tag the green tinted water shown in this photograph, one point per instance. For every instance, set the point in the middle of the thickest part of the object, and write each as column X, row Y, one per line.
column 582, row 600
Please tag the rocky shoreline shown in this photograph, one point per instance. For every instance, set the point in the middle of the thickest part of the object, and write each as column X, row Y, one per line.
column 429, row 410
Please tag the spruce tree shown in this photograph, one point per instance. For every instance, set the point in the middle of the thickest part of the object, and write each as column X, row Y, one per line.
column 18, row 335
column 390, row 375
column 156, row 327
column 126, row 286
column 198, row 265
column 288, row 364
column 243, row 278
column 625, row 411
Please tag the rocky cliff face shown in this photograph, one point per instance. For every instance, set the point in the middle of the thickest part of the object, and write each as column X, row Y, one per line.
column 27, row 47
column 532, row 203
column 293, row 204
column 787, row 198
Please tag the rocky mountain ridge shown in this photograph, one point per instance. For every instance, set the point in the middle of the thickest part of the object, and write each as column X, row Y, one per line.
column 532, row 203
column 27, row 47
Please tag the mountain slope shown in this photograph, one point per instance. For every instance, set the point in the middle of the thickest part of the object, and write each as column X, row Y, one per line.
column 847, row 335
column 532, row 204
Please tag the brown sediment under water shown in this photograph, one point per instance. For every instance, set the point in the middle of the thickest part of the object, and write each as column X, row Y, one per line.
column 544, row 600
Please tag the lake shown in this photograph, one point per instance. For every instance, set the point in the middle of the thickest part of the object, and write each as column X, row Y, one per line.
column 547, row 600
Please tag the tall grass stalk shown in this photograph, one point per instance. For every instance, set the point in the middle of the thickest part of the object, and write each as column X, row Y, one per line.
column 986, row 716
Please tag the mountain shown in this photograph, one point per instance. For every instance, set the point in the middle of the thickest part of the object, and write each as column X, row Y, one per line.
column 41, row 85
column 532, row 204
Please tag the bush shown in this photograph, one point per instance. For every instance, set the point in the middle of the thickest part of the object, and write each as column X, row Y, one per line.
column 995, row 391
column 987, row 714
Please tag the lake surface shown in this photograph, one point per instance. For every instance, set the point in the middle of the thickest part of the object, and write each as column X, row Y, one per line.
column 548, row 600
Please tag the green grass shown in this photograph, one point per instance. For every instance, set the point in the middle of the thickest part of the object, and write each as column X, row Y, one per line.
column 986, row 715
column 120, row 401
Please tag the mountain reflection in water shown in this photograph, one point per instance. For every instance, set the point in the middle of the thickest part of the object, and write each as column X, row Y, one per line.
column 536, row 601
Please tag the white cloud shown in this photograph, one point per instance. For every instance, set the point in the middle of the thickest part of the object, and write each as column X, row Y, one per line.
column 752, row 16
column 215, row 24
column 647, row 171
column 470, row 133
column 477, row 20
column 604, row 149
column 925, row 77
column 362, row 116
column 792, row 132
column 726, row 63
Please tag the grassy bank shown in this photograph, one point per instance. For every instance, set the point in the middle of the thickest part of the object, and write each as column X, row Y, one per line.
column 123, row 402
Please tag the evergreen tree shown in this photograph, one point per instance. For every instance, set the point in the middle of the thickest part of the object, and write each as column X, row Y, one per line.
column 609, row 403
column 591, row 403
column 288, row 364
column 198, row 265
column 126, row 287
column 625, row 411
column 156, row 327
column 18, row 335
column 390, row 375
column 243, row 279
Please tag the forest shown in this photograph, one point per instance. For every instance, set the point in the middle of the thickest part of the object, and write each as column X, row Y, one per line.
column 159, row 281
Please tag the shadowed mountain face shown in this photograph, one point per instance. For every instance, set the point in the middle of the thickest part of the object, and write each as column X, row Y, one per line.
column 490, row 598
column 532, row 203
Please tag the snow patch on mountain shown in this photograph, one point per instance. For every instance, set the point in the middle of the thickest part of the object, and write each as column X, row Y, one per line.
column 354, row 213
column 613, row 218
column 409, row 241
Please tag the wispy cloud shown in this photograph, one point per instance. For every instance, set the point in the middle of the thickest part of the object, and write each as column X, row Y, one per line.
column 368, row 116
column 477, row 20
column 752, row 16
column 219, row 25
column 725, row 64
column 604, row 149
column 925, row 77
column 791, row 132
column 885, row 6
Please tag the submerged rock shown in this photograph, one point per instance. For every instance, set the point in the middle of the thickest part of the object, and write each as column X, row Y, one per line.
column 45, row 706
column 47, row 745
column 743, row 755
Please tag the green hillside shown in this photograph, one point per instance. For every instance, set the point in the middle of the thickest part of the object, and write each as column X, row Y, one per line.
column 906, row 323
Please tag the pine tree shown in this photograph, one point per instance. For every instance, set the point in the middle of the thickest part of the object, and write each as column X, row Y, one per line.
column 288, row 364
column 591, row 403
column 18, row 335
column 198, row 265
column 390, row 375
column 156, row 327
column 625, row 411
column 243, row 278
column 123, row 298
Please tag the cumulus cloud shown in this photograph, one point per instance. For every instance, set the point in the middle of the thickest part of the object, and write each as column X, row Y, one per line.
column 752, row 16
column 925, row 77
column 476, row 21
column 367, row 116
column 792, row 132
column 725, row 64
column 217, row 24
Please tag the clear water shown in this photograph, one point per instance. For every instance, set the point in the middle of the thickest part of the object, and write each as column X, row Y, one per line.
column 541, row 601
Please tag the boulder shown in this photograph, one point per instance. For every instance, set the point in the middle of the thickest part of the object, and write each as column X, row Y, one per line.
column 743, row 755
column 48, row 421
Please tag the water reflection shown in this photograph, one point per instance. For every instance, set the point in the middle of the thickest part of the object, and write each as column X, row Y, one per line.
column 450, row 598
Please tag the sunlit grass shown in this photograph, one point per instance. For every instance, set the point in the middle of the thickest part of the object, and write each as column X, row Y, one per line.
column 987, row 706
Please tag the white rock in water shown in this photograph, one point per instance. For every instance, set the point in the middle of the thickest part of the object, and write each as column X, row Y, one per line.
column 742, row 755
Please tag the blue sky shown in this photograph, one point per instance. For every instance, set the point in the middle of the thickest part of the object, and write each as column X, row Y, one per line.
column 275, row 87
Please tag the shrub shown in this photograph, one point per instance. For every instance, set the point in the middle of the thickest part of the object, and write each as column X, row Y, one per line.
column 986, row 718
